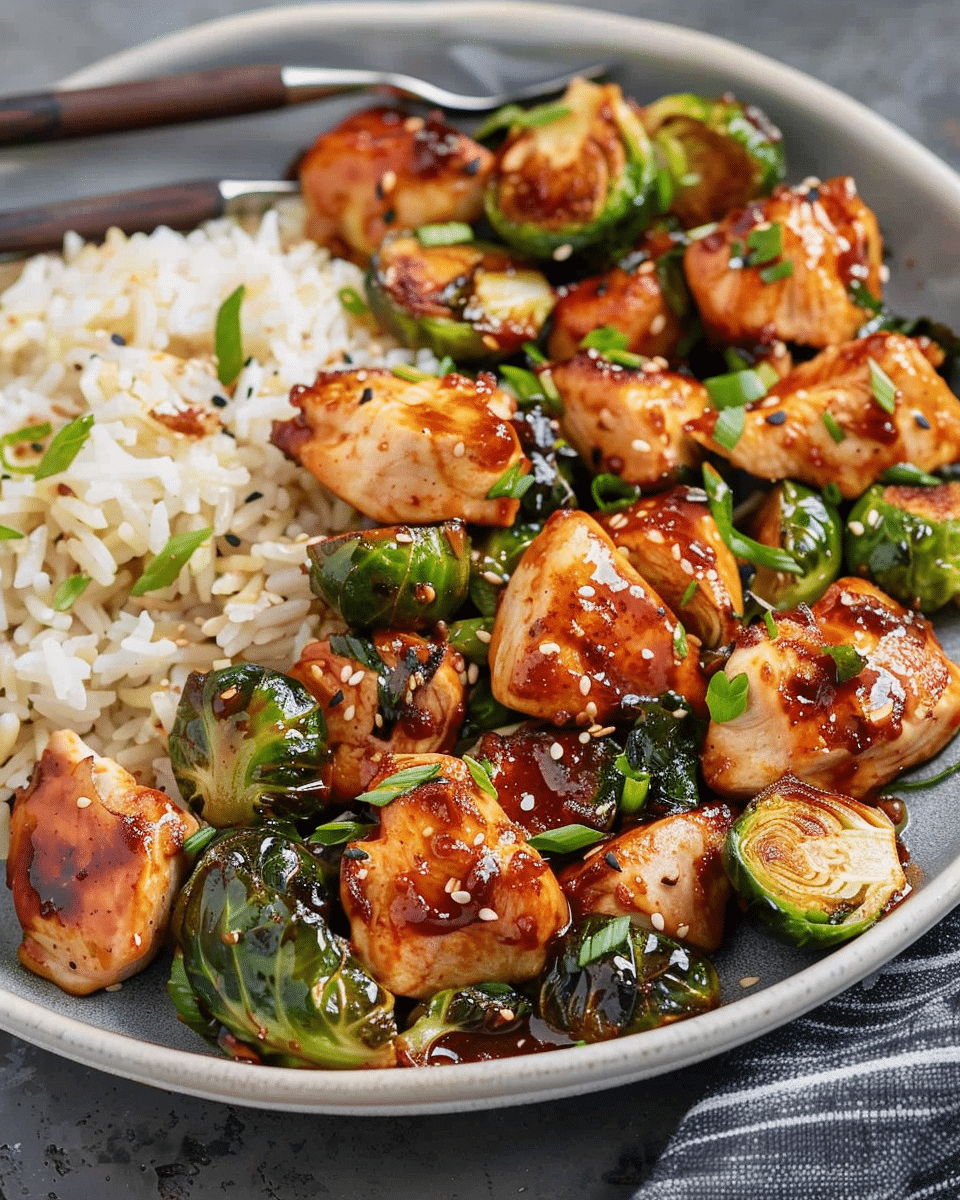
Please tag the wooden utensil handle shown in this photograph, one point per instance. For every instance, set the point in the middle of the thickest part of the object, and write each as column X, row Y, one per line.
column 180, row 205
column 166, row 100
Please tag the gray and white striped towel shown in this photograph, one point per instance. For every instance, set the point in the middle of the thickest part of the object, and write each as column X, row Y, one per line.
column 859, row 1100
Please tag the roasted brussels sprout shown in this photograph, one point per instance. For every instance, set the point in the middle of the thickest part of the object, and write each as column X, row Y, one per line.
column 907, row 539
column 471, row 637
column 469, row 300
column 818, row 867
column 249, row 743
column 485, row 713
column 580, row 179
column 718, row 154
column 258, row 970
column 399, row 577
column 493, row 562
column 467, row 1024
column 660, row 757
column 799, row 520
column 608, row 977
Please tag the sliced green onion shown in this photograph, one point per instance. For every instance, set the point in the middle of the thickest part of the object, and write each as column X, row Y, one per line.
column 163, row 570
column 768, row 374
column 681, row 646
column 918, row 785
column 608, row 938
column 689, row 592
column 847, row 661
column 764, row 244
column 451, row 233
column 611, row 493
column 605, row 338
column 66, row 445
column 228, row 339
column 908, row 474
column 727, row 698
column 525, row 384
column 446, row 366
column 833, row 428
column 513, row 116
column 735, row 389
column 781, row 270
column 663, row 183
column 481, row 776
column 338, row 833
column 729, row 427
column 699, row 232
column 883, row 388
column 399, row 784
column 634, row 794
column 771, row 625
column 513, row 484
column 861, row 295
column 9, row 535
column 535, row 354
column 543, row 114
column 735, row 359
column 410, row 374
column 352, row 301
column 197, row 842
column 625, row 358
column 565, row 839
column 29, row 433
column 721, row 507
column 69, row 592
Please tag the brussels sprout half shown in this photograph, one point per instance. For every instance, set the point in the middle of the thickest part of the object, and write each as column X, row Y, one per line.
column 249, row 743
column 463, row 1024
column 258, row 970
column 797, row 519
column 471, row 301
column 401, row 577
column 661, row 756
column 907, row 540
column 494, row 560
column 718, row 154
column 818, row 867
column 608, row 977
column 582, row 179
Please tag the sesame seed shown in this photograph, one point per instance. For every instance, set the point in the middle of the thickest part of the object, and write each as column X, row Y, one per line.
column 640, row 444
column 562, row 253
column 855, row 527
column 617, row 521
column 231, row 937
column 492, row 577
column 590, row 709
column 355, row 678
column 345, row 674
column 647, row 267
column 487, row 914
column 682, row 930
column 527, row 801
column 350, row 712
column 656, row 537
column 428, row 831
column 362, row 873
column 584, row 738
column 113, row 987
column 459, row 450
column 404, row 538
column 478, row 840
column 461, row 897
column 646, row 653
column 378, row 720
column 612, row 861
column 657, row 921
column 587, row 591
column 873, row 518
column 483, row 635
column 556, row 751
column 658, row 324
column 228, row 694
column 389, row 181
column 585, row 682
column 749, row 980
column 84, row 802
column 549, row 648
column 605, row 731
column 473, row 673
column 451, row 885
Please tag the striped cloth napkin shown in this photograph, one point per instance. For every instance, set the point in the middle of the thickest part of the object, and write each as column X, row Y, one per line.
column 859, row 1100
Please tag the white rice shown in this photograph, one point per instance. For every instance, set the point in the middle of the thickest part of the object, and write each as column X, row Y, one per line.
column 111, row 668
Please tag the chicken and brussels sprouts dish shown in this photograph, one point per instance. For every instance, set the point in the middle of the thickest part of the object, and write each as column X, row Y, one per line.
column 627, row 641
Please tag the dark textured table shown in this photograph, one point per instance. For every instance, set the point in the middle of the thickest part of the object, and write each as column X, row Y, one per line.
column 67, row 1133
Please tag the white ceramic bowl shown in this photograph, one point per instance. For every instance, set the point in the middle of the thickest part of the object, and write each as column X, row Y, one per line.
column 134, row 1032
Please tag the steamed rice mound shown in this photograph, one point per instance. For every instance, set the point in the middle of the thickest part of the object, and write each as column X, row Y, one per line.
column 125, row 331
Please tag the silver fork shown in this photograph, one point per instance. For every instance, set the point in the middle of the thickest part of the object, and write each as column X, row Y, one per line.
column 230, row 91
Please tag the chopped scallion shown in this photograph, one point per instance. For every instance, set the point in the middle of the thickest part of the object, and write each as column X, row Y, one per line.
column 832, row 427
column 451, row 233
column 399, row 784
column 735, row 389
column 228, row 339
column 410, row 374
column 69, row 592
column 481, row 775
column 610, row 493
column 764, row 244
column 513, row 484
column 883, row 388
column 605, row 338
column 729, row 427
column 352, row 301
column 689, row 593
column 907, row 474
column 66, row 445
column 721, row 506
column 607, row 938
column 29, row 433
column 565, row 839
column 163, row 570
column 727, row 698
column 779, row 270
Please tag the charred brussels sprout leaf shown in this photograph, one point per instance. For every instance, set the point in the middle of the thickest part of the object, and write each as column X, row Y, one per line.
column 582, row 180
column 662, row 752
column 798, row 520
column 817, row 867
column 717, row 154
column 482, row 1012
column 470, row 300
column 907, row 539
column 608, row 978
column 400, row 577
column 494, row 561
column 260, row 973
column 249, row 743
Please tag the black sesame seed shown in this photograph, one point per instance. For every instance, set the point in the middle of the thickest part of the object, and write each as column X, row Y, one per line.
column 36, row 447
column 219, row 401
column 813, row 195
column 389, row 216
column 777, row 418
column 335, row 699
column 355, row 852
column 347, row 358
column 921, row 420
column 118, row 339
column 232, row 539
column 602, row 288
column 378, row 190
column 253, row 496
column 612, row 861
column 366, row 395
column 248, row 361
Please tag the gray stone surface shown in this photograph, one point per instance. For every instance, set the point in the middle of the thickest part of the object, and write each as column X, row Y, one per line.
column 68, row 1133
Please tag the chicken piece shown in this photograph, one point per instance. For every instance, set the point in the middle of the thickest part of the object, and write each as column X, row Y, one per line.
column 423, row 682
column 382, row 170
column 787, row 434
column 94, row 865
column 629, row 423
column 640, row 300
column 669, row 872
column 578, row 632
column 673, row 541
column 448, row 893
column 829, row 238
column 850, row 737
column 546, row 778
column 400, row 451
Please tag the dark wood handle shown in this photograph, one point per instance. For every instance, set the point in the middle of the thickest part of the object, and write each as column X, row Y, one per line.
column 180, row 205
column 167, row 100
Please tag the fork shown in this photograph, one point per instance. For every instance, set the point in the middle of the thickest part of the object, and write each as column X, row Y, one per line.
column 231, row 91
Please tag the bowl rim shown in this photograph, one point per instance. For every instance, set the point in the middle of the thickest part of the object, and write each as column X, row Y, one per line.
column 592, row 1068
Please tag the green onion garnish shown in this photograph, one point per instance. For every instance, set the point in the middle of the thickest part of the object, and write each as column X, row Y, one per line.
column 352, row 301
column 625, row 358
column 729, row 427
column 410, row 374
column 771, row 625
column 611, row 493
column 780, row 270
column 228, row 339
column 29, row 433
column 66, row 445
column 735, row 389
column 163, row 570
column 832, row 494
column 337, row 833
column 908, row 474
column 451, row 233
column 535, row 354
column 565, row 839
column 446, row 366
column 918, row 785
column 861, row 295
column 699, row 232
column 689, row 593
column 69, row 592
column 513, row 484
column 525, row 384
column 727, row 698
column 8, row 535
column 847, row 661
column 197, row 842
column 513, row 116
column 764, row 245
column 680, row 645
column 399, row 784
column 883, row 388
column 481, row 775
column 603, row 941
column 833, row 428
column 606, row 337
column 721, row 507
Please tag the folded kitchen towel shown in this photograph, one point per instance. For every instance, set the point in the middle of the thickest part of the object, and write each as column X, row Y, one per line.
column 859, row 1100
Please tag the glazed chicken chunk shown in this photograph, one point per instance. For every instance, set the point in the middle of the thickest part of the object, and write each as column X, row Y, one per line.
column 673, row 541
column 629, row 423
column 401, row 451
column 447, row 892
column 423, row 680
column 826, row 421
column 578, row 631
column 805, row 717
column 671, row 867
column 382, row 170
column 784, row 267
column 94, row 865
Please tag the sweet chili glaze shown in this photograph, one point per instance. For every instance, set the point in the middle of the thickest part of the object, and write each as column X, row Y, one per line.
column 526, row 1035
